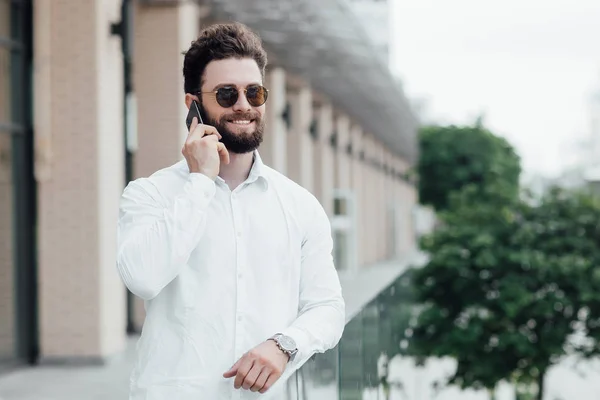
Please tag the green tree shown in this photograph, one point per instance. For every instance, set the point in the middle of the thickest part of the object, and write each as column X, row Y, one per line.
column 507, row 286
column 453, row 157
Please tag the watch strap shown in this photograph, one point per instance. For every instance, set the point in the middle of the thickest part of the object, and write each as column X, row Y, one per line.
column 291, row 353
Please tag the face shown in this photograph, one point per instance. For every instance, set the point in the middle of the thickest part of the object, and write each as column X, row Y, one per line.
column 241, row 125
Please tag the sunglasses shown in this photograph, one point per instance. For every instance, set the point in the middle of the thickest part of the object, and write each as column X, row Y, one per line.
column 227, row 96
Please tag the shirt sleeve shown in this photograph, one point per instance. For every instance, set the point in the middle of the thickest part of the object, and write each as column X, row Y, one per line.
column 321, row 320
column 155, row 240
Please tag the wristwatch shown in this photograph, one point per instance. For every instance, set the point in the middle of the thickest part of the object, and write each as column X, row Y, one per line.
column 285, row 344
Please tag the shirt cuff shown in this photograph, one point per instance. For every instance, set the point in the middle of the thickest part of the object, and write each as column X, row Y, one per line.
column 201, row 188
column 302, row 343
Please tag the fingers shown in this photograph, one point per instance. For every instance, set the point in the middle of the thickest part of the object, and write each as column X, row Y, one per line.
column 261, row 380
column 198, row 131
column 193, row 125
column 250, row 379
column 243, row 370
column 270, row 381
column 211, row 130
column 233, row 370
column 223, row 153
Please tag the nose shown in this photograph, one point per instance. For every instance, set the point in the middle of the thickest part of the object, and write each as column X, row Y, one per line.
column 242, row 105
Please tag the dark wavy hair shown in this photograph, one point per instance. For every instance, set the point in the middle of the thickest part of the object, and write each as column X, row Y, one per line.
column 219, row 42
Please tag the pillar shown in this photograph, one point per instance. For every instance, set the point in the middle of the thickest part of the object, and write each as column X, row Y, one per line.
column 395, row 204
column 273, row 150
column 299, row 143
column 81, row 298
column 369, row 241
column 390, row 203
column 412, row 196
column 343, row 171
column 7, row 245
column 406, row 198
column 162, row 34
column 324, row 169
column 7, row 218
column 356, row 138
column 381, row 206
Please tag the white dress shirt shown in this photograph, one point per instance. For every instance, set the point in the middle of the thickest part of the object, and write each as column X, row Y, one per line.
column 221, row 271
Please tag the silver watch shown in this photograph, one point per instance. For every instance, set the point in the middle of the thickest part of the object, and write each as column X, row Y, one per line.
column 285, row 344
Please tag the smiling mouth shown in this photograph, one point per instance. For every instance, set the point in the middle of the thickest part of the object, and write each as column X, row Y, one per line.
column 241, row 122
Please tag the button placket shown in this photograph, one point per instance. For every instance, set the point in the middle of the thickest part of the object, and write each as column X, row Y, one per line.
column 239, row 315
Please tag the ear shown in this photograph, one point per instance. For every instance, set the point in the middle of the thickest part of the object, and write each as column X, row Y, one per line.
column 189, row 98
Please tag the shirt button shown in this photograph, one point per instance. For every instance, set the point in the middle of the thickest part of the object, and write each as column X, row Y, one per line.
column 239, row 234
column 240, row 275
column 239, row 318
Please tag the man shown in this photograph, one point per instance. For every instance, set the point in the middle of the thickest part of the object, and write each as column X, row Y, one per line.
column 232, row 258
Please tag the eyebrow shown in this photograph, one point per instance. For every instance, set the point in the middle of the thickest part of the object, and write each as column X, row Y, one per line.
column 234, row 85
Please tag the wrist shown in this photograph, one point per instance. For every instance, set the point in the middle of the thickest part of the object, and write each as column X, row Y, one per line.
column 194, row 168
column 206, row 174
column 279, row 349
column 285, row 344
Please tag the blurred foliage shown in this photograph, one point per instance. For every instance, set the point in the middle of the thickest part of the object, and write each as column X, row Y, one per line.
column 510, row 287
column 453, row 157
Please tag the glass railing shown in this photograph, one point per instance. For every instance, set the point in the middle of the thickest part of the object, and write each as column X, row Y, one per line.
column 352, row 370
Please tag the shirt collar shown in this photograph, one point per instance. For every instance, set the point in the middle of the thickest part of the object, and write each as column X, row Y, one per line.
column 257, row 172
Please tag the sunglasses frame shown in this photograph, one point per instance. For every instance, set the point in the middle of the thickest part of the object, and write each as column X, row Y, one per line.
column 245, row 90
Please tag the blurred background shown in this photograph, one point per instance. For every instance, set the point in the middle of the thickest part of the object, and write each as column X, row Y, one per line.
column 454, row 145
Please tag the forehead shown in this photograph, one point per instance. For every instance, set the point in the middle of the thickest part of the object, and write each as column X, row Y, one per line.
column 236, row 71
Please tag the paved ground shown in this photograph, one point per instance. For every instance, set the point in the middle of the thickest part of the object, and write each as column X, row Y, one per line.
column 571, row 379
column 71, row 383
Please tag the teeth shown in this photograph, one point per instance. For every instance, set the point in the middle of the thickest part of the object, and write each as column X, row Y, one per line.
column 245, row 122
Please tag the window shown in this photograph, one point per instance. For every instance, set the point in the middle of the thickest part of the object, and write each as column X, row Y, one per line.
column 17, row 202
column 343, row 225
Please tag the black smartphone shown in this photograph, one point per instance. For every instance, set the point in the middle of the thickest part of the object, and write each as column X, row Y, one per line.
column 194, row 112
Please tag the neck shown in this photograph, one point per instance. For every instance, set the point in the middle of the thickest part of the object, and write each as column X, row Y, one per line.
column 237, row 170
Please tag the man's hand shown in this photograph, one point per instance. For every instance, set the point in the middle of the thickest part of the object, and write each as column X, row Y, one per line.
column 203, row 151
column 259, row 368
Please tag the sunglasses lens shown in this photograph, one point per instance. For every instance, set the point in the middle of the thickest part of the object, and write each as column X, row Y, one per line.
column 256, row 95
column 227, row 96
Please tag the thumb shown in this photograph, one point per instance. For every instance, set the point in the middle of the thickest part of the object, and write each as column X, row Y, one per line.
column 223, row 153
column 233, row 370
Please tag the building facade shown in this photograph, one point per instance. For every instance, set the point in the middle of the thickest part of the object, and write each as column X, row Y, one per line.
column 91, row 96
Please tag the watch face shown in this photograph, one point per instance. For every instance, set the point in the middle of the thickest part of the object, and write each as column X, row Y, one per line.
column 287, row 343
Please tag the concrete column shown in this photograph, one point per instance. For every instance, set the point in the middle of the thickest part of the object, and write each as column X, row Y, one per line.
column 406, row 199
column 396, row 204
column 7, row 246
column 390, row 199
column 273, row 150
column 412, row 201
column 380, row 201
column 81, row 298
column 324, row 170
column 343, row 171
column 399, row 204
column 376, row 193
column 7, row 219
column 162, row 34
column 368, row 204
column 300, row 143
column 402, row 218
column 356, row 137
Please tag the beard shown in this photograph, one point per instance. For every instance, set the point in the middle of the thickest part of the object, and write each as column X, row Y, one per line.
column 238, row 143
